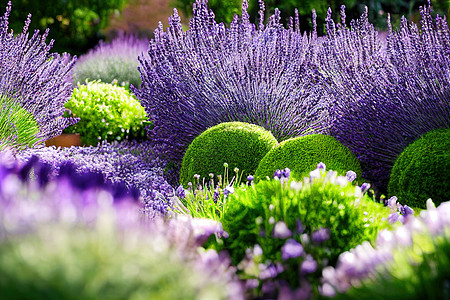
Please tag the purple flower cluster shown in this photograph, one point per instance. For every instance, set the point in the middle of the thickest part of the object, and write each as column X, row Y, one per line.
column 386, row 95
column 212, row 74
column 132, row 164
column 365, row 262
column 37, row 79
column 114, row 61
column 31, row 198
column 30, row 194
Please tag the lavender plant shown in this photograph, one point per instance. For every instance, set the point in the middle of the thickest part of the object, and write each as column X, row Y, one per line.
column 37, row 79
column 210, row 74
column 386, row 95
column 135, row 165
column 116, row 61
column 72, row 237
column 410, row 262
column 295, row 228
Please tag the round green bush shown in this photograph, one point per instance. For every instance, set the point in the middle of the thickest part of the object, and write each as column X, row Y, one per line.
column 326, row 201
column 240, row 145
column 106, row 112
column 18, row 127
column 422, row 170
column 302, row 154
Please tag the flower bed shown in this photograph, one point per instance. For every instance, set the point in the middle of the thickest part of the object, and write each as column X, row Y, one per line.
column 112, row 220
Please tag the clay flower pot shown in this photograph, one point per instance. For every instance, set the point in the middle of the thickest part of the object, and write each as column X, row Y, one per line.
column 64, row 140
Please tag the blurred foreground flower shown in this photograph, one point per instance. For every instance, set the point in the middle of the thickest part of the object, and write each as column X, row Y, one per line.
column 76, row 237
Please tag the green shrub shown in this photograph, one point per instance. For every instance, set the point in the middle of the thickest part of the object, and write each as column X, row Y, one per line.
column 323, row 202
column 18, row 127
column 422, row 170
column 302, row 154
column 75, row 25
column 106, row 112
column 240, row 145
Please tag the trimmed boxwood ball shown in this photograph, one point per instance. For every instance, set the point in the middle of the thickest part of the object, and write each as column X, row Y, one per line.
column 422, row 170
column 302, row 154
column 240, row 145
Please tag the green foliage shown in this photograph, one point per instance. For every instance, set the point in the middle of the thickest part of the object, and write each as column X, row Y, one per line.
column 302, row 154
column 75, row 25
column 325, row 202
column 224, row 11
column 76, row 262
column 422, row 170
column 18, row 127
column 240, row 145
column 106, row 112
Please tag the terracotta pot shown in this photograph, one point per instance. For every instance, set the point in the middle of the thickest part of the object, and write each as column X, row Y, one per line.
column 64, row 140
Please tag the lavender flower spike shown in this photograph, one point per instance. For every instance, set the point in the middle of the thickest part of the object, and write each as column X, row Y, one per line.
column 211, row 74
column 37, row 79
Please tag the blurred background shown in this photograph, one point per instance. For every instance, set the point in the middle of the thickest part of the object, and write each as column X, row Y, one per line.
column 79, row 25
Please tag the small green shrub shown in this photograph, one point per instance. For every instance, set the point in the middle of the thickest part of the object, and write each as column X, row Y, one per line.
column 325, row 214
column 18, row 127
column 240, row 145
column 422, row 170
column 106, row 112
column 325, row 202
column 302, row 154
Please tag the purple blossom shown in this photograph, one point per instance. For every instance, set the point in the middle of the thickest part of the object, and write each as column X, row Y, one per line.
column 321, row 235
column 113, row 61
column 281, row 231
column 386, row 95
column 278, row 174
column 351, row 175
column 291, row 249
column 137, row 167
column 364, row 261
column 365, row 187
column 180, row 192
column 309, row 265
column 37, row 79
column 211, row 73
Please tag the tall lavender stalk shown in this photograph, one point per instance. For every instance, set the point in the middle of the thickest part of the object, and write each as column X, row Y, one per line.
column 386, row 96
column 34, row 77
column 212, row 74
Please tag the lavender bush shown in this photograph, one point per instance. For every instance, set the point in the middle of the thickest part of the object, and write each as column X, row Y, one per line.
column 411, row 262
column 135, row 165
column 72, row 237
column 212, row 74
column 37, row 79
column 116, row 61
column 386, row 96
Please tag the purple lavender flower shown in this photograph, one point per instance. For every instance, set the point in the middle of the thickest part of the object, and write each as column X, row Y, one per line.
column 211, row 74
column 113, row 61
column 180, row 192
column 37, row 79
column 278, row 174
column 365, row 187
column 137, row 166
column 382, row 104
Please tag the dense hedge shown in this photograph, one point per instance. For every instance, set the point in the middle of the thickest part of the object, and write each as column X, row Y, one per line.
column 240, row 145
column 422, row 170
column 302, row 154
